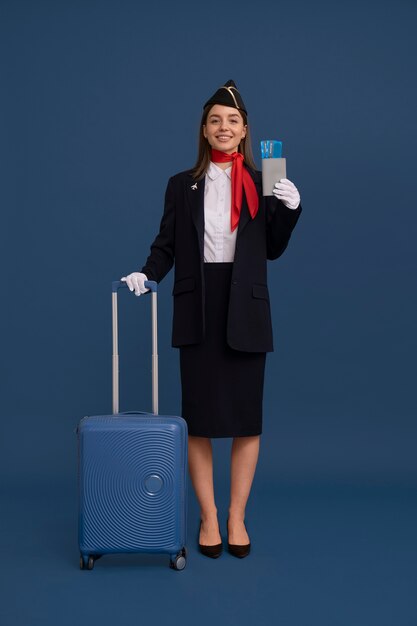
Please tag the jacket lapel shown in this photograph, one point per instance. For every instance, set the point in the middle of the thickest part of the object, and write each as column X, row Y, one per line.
column 195, row 195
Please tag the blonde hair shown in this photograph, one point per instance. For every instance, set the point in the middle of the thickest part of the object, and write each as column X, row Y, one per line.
column 204, row 151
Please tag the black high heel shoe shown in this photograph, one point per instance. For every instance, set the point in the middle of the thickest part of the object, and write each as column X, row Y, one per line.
column 213, row 551
column 237, row 550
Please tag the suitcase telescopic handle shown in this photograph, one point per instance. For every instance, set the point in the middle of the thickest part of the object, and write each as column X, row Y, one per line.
column 153, row 287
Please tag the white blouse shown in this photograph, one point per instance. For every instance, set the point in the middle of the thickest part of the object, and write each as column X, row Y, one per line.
column 219, row 241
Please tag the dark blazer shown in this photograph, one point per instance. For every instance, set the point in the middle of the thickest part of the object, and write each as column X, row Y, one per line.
column 181, row 239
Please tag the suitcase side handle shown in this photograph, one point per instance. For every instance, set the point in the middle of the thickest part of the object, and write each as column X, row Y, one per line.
column 153, row 287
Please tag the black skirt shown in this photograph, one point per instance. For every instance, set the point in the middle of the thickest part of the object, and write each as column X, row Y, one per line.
column 222, row 388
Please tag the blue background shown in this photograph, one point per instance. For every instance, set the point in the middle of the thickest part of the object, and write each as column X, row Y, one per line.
column 100, row 104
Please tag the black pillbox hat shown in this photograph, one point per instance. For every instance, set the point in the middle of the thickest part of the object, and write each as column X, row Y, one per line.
column 228, row 96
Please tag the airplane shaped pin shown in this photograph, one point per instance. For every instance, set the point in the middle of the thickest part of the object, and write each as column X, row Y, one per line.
column 194, row 187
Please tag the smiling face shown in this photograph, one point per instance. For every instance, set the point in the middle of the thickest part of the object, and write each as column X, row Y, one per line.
column 224, row 128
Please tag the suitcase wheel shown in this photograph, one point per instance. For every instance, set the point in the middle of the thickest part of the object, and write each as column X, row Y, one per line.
column 87, row 562
column 179, row 561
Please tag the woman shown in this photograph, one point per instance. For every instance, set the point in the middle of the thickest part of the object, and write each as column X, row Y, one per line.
column 220, row 230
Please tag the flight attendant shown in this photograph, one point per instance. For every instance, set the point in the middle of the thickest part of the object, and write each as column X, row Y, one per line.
column 219, row 230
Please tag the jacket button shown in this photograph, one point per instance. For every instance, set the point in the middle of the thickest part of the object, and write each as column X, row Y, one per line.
column 234, row 282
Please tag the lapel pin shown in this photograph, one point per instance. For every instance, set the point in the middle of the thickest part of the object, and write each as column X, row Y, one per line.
column 194, row 187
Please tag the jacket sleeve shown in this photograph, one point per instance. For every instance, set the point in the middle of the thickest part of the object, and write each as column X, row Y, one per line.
column 280, row 222
column 161, row 258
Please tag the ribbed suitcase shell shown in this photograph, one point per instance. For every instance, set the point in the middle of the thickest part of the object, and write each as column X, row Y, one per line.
column 132, row 473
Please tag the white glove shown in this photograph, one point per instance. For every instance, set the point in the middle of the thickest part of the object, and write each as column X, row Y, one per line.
column 287, row 192
column 136, row 282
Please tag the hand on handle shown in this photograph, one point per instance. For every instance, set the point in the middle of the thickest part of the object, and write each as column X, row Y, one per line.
column 136, row 282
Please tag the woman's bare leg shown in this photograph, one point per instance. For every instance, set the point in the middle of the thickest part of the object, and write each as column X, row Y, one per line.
column 245, row 452
column 200, row 463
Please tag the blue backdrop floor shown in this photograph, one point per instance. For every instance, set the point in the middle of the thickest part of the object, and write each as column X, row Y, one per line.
column 328, row 555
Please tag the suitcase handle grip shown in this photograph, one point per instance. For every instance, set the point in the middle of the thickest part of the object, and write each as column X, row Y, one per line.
column 152, row 285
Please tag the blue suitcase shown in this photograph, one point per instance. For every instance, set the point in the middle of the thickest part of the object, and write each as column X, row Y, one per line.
column 132, row 473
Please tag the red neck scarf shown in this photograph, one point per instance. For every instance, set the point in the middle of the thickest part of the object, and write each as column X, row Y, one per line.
column 240, row 178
